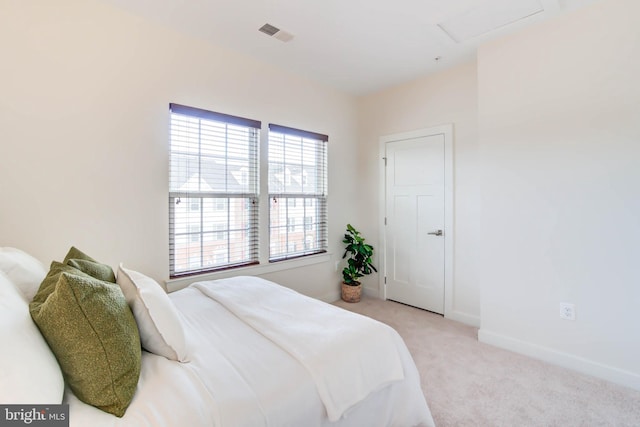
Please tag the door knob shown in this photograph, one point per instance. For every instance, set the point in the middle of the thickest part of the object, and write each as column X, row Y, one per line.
column 436, row 233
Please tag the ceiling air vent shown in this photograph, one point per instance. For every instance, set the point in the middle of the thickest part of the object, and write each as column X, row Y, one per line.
column 276, row 32
column 269, row 29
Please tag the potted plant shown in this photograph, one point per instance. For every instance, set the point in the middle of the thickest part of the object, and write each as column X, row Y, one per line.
column 359, row 264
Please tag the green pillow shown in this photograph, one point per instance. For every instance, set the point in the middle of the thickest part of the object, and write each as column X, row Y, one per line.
column 51, row 279
column 75, row 253
column 91, row 330
column 83, row 262
column 93, row 269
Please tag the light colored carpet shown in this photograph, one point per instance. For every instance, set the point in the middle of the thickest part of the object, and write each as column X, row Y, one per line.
column 469, row 383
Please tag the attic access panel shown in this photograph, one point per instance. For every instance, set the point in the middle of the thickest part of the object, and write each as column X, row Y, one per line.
column 488, row 16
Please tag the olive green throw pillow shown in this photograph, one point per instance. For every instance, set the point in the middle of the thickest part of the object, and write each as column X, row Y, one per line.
column 94, row 269
column 75, row 253
column 91, row 330
column 83, row 262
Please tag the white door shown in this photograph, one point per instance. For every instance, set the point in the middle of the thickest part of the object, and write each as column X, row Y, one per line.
column 415, row 221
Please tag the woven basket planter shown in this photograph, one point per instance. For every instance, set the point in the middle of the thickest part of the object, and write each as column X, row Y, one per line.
column 351, row 293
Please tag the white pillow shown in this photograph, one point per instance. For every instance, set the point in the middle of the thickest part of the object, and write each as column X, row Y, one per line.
column 29, row 372
column 158, row 319
column 23, row 270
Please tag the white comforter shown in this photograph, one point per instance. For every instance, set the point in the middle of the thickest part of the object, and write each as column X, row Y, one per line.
column 363, row 357
column 240, row 377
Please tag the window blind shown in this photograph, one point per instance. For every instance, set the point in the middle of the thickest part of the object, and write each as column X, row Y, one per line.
column 297, row 192
column 213, row 191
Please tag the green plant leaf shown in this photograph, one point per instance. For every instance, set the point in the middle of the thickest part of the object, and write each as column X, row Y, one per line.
column 360, row 255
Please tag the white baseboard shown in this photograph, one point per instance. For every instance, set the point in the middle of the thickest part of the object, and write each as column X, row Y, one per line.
column 467, row 319
column 330, row 297
column 566, row 360
column 336, row 295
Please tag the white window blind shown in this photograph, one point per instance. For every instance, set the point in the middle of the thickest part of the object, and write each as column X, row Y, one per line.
column 213, row 191
column 297, row 193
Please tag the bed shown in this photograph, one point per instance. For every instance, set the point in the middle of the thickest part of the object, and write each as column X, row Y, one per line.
column 233, row 352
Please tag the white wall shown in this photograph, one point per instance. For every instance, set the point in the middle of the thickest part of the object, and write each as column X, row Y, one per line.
column 84, row 95
column 446, row 97
column 559, row 123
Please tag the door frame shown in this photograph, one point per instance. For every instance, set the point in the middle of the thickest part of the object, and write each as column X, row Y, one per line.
column 447, row 131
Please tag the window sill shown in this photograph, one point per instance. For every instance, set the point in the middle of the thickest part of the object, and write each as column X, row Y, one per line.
column 252, row 270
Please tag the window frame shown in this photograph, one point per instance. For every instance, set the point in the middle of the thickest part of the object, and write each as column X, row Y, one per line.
column 250, row 195
column 288, row 199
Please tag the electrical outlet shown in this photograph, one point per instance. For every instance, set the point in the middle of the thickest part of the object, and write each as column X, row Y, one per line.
column 337, row 266
column 567, row 311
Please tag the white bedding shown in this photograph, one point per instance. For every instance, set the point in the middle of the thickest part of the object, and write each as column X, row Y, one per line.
column 363, row 356
column 237, row 377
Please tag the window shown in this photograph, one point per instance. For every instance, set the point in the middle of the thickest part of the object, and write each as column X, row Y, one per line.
column 221, row 204
column 213, row 191
column 297, row 192
column 220, row 231
column 194, row 232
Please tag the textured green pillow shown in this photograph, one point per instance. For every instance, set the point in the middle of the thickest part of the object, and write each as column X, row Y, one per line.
column 51, row 279
column 83, row 262
column 94, row 269
column 91, row 330
column 75, row 253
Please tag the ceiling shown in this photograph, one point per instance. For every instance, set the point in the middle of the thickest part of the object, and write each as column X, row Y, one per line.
column 355, row 46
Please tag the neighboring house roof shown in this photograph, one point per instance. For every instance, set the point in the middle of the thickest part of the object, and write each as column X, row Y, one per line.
column 189, row 174
column 215, row 175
